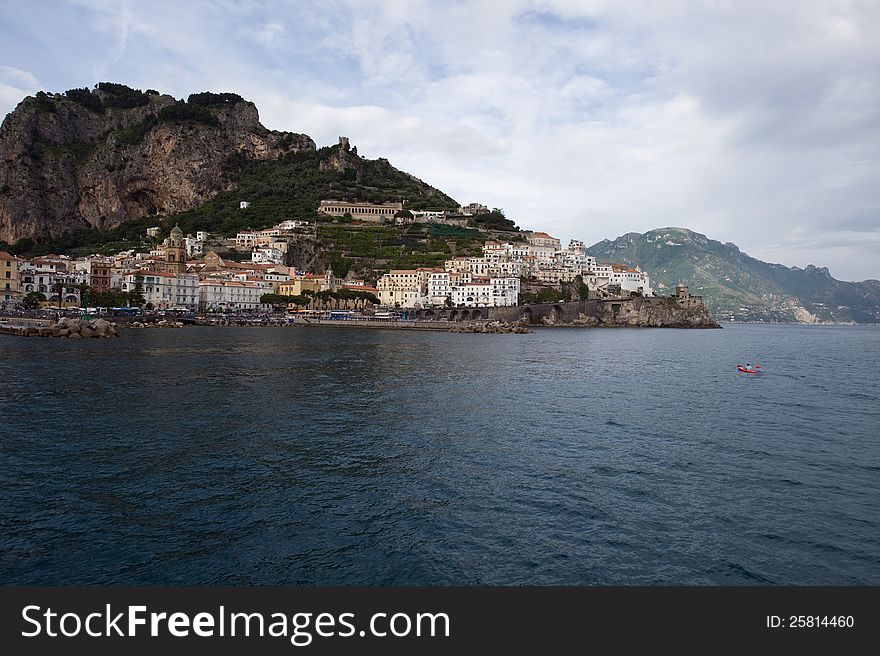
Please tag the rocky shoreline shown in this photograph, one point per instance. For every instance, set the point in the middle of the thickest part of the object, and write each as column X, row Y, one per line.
column 491, row 327
column 75, row 329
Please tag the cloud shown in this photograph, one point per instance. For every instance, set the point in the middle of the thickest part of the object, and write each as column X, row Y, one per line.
column 15, row 84
column 752, row 122
column 270, row 34
column 14, row 75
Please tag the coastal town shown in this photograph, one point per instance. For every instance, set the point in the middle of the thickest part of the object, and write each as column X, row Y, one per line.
column 185, row 273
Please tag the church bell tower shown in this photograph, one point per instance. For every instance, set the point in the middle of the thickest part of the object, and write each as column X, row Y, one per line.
column 175, row 252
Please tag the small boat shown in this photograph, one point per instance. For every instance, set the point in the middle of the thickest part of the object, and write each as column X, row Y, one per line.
column 755, row 369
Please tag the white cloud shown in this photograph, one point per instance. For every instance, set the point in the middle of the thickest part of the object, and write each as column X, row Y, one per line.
column 271, row 33
column 17, row 76
column 15, row 84
column 753, row 122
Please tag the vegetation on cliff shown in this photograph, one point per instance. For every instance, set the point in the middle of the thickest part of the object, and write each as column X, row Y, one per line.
column 91, row 169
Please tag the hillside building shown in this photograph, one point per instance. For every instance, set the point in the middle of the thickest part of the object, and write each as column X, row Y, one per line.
column 370, row 212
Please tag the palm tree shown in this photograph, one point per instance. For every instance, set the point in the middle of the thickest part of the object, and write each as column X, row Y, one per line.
column 58, row 288
column 83, row 289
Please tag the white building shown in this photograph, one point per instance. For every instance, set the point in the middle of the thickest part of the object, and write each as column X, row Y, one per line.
column 274, row 279
column 629, row 279
column 248, row 239
column 245, row 240
column 45, row 279
column 553, row 274
column 267, row 255
column 486, row 292
column 574, row 256
column 507, row 250
column 217, row 295
column 543, row 239
column 404, row 287
column 164, row 290
column 371, row 212
column 243, row 205
column 291, row 225
column 194, row 247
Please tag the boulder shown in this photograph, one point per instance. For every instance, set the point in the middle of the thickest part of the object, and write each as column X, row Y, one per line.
column 85, row 331
column 74, row 336
column 45, row 331
column 102, row 328
column 60, row 332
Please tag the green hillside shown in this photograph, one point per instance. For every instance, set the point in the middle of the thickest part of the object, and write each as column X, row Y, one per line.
column 737, row 286
column 293, row 186
column 290, row 187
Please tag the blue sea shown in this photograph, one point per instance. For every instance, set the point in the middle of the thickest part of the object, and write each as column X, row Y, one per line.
column 333, row 456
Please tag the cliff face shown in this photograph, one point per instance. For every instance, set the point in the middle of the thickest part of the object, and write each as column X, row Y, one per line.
column 104, row 158
column 665, row 312
column 654, row 312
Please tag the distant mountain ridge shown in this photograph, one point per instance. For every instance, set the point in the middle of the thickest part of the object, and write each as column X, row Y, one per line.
column 739, row 287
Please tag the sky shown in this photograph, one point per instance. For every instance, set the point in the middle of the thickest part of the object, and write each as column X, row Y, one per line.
column 756, row 123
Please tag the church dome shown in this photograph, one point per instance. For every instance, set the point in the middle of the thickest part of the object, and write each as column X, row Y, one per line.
column 177, row 231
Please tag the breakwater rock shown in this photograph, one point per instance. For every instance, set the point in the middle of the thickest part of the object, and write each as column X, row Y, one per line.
column 76, row 329
column 493, row 327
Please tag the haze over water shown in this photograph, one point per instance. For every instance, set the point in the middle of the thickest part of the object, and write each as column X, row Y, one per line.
column 333, row 456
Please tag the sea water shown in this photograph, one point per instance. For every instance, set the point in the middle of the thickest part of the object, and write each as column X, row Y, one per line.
column 339, row 456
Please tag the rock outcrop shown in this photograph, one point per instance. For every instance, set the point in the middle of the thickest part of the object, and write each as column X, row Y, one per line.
column 637, row 312
column 490, row 327
column 97, row 158
column 78, row 329
column 649, row 312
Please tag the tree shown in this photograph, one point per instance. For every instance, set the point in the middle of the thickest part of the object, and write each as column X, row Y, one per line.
column 32, row 300
column 582, row 289
column 340, row 265
column 58, row 288
column 136, row 295
column 113, row 298
column 84, row 294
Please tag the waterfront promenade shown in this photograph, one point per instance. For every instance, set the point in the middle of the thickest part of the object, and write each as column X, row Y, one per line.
column 19, row 325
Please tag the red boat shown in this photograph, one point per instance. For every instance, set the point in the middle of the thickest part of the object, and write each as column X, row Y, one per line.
column 756, row 369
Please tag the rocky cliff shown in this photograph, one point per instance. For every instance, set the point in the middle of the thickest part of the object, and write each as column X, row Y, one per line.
column 653, row 312
column 96, row 158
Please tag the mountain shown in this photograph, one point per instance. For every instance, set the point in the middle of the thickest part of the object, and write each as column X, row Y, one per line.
column 90, row 160
column 736, row 286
